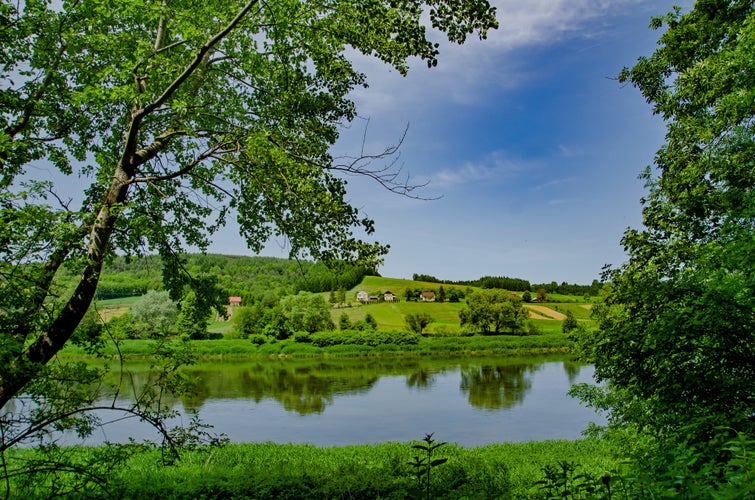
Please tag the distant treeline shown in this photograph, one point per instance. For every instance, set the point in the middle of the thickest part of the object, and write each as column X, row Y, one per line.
column 251, row 278
column 519, row 285
column 321, row 278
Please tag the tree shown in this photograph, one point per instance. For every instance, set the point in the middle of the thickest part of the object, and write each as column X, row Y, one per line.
column 193, row 319
column 493, row 311
column 441, row 294
column 677, row 335
column 344, row 323
column 155, row 312
column 569, row 323
column 527, row 296
column 247, row 320
column 455, row 295
column 542, row 295
column 418, row 322
column 163, row 119
column 169, row 126
column 370, row 320
column 307, row 312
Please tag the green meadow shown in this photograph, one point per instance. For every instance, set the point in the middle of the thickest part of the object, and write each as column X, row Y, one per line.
column 546, row 317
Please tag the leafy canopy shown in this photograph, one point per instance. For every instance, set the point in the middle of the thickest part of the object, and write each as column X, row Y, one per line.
column 493, row 311
column 677, row 337
column 140, row 126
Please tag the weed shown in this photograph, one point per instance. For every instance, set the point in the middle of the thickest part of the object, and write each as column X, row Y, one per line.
column 423, row 465
column 563, row 481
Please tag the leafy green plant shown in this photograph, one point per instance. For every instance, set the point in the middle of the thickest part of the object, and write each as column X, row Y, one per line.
column 424, row 464
column 564, row 481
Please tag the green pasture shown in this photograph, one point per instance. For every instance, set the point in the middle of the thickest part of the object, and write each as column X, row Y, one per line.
column 119, row 302
column 390, row 315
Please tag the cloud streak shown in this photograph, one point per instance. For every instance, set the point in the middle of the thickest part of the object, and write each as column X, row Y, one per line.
column 493, row 167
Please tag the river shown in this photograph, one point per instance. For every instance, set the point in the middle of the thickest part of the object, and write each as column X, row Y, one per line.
column 471, row 401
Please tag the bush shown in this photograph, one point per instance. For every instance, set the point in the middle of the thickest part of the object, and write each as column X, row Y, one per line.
column 258, row 339
column 302, row 337
column 366, row 338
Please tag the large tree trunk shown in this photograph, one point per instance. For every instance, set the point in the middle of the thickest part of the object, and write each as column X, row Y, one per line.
column 60, row 330
column 26, row 365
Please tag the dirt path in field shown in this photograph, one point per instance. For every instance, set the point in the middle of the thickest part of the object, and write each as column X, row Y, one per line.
column 587, row 306
column 542, row 312
column 533, row 315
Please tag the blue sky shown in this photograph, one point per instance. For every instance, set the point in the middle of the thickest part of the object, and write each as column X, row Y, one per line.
column 529, row 141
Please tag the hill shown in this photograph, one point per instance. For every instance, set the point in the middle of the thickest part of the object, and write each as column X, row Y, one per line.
column 251, row 278
column 546, row 316
column 254, row 278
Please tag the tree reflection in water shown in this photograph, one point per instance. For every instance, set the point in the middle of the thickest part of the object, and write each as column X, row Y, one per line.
column 422, row 378
column 301, row 388
column 308, row 386
column 492, row 387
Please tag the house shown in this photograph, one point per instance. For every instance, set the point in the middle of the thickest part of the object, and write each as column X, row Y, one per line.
column 233, row 302
column 363, row 296
column 427, row 296
column 389, row 296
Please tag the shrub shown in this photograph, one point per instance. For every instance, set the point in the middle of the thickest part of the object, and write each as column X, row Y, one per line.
column 258, row 339
column 366, row 338
column 303, row 337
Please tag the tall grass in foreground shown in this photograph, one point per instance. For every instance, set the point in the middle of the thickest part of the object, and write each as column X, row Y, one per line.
column 267, row 470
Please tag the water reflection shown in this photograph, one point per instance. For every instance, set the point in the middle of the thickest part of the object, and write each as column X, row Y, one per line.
column 307, row 386
column 491, row 387
column 423, row 378
column 468, row 400
column 572, row 369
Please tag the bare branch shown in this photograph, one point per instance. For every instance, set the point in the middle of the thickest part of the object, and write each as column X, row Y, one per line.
column 388, row 175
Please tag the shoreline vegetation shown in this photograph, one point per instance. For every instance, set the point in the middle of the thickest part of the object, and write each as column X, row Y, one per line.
column 505, row 345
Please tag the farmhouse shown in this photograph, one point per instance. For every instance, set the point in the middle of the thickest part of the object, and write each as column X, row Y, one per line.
column 362, row 296
column 427, row 296
column 234, row 301
column 389, row 296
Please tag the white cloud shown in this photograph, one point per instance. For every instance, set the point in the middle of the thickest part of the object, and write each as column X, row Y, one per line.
column 553, row 183
column 494, row 166
column 465, row 73
column 537, row 22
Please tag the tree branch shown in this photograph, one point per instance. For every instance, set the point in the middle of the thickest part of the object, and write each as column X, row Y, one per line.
column 203, row 51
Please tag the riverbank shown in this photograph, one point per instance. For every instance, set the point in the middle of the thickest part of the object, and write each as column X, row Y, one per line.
column 241, row 348
column 265, row 470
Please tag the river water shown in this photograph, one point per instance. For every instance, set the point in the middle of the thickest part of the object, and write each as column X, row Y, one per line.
column 471, row 401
